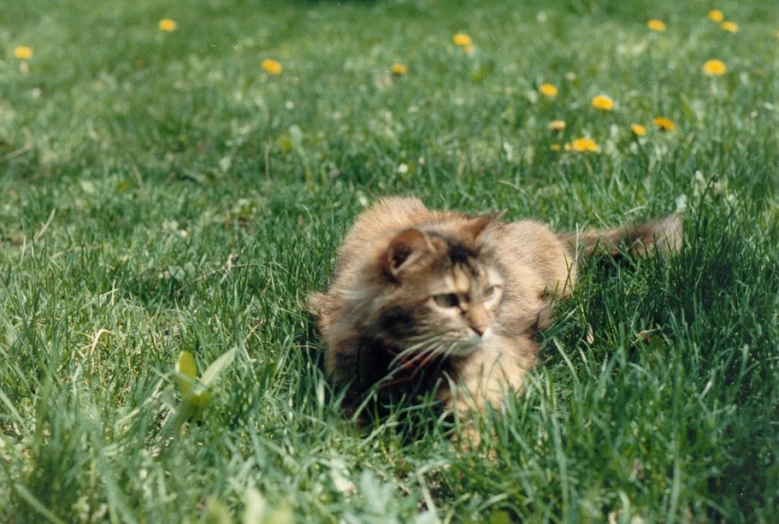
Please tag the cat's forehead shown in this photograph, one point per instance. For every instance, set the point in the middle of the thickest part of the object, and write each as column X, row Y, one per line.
column 461, row 278
column 454, row 249
column 461, row 267
column 457, row 249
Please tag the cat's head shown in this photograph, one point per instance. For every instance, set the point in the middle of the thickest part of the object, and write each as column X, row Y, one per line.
column 443, row 288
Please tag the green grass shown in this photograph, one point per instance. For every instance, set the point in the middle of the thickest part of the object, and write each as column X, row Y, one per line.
column 134, row 164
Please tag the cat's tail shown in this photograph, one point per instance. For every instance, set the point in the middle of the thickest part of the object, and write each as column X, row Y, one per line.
column 657, row 236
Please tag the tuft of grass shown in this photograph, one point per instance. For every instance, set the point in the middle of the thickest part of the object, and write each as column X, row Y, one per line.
column 162, row 193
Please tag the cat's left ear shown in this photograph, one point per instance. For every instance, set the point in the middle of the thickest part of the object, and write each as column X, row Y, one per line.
column 406, row 247
column 478, row 224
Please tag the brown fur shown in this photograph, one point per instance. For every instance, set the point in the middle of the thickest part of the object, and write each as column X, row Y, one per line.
column 392, row 291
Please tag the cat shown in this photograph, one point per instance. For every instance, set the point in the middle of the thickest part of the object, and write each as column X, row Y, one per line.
column 442, row 300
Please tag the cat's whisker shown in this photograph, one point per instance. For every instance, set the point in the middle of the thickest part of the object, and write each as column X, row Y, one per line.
column 428, row 354
column 419, row 347
column 411, row 363
column 411, row 349
column 450, row 349
column 422, row 354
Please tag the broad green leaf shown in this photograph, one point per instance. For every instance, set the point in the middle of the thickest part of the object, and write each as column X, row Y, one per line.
column 186, row 370
column 199, row 397
column 255, row 507
column 281, row 515
column 216, row 512
column 216, row 367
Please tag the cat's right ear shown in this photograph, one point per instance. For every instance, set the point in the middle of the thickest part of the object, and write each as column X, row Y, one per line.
column 406, row 247
column 478, row 224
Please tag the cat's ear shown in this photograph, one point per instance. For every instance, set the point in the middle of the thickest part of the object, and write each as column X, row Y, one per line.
column 407, row 245
column 478, row 224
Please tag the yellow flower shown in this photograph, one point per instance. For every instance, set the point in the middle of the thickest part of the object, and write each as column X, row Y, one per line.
column 167, row 25
column 462, row 40
column 548, row 90
column 272, row 66
column 714, row 68
column 23, row 52
column 581, row 145
column 638, row 129
column 603, row 103
column 399, row 69
column 555, row 147
column 715, row 15
column 656, row 25
column 663, row 123
column 557, row 125
column 730, row 27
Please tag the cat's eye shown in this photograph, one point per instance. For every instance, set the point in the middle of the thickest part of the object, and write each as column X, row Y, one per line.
column 446, row 300
column 491, row 293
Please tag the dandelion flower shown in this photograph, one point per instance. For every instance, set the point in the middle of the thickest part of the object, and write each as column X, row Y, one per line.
column 548, row 90
column 557, row 125
column 730, row 27
column 271, row 66
column 664, row 123
column 555, row 147
column 656, row 25
column 462, row 40
column 715, row 15
column 581, row 145
column 23, row 52
column 399, row 69
column 714, row 68
column 167, row 25
column 638, row 129
column 603, row 103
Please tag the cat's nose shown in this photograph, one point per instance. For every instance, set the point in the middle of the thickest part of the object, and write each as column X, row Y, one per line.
column 480, row 329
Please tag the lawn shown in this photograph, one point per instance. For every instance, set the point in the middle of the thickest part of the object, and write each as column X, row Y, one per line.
column 167, row 191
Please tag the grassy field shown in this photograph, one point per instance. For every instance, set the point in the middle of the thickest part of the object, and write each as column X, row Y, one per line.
column 161, row 192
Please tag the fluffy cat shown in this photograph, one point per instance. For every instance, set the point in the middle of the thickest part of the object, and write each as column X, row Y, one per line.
column 420, row 295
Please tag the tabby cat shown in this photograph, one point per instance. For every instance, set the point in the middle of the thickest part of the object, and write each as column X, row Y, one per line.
column 434, row 299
